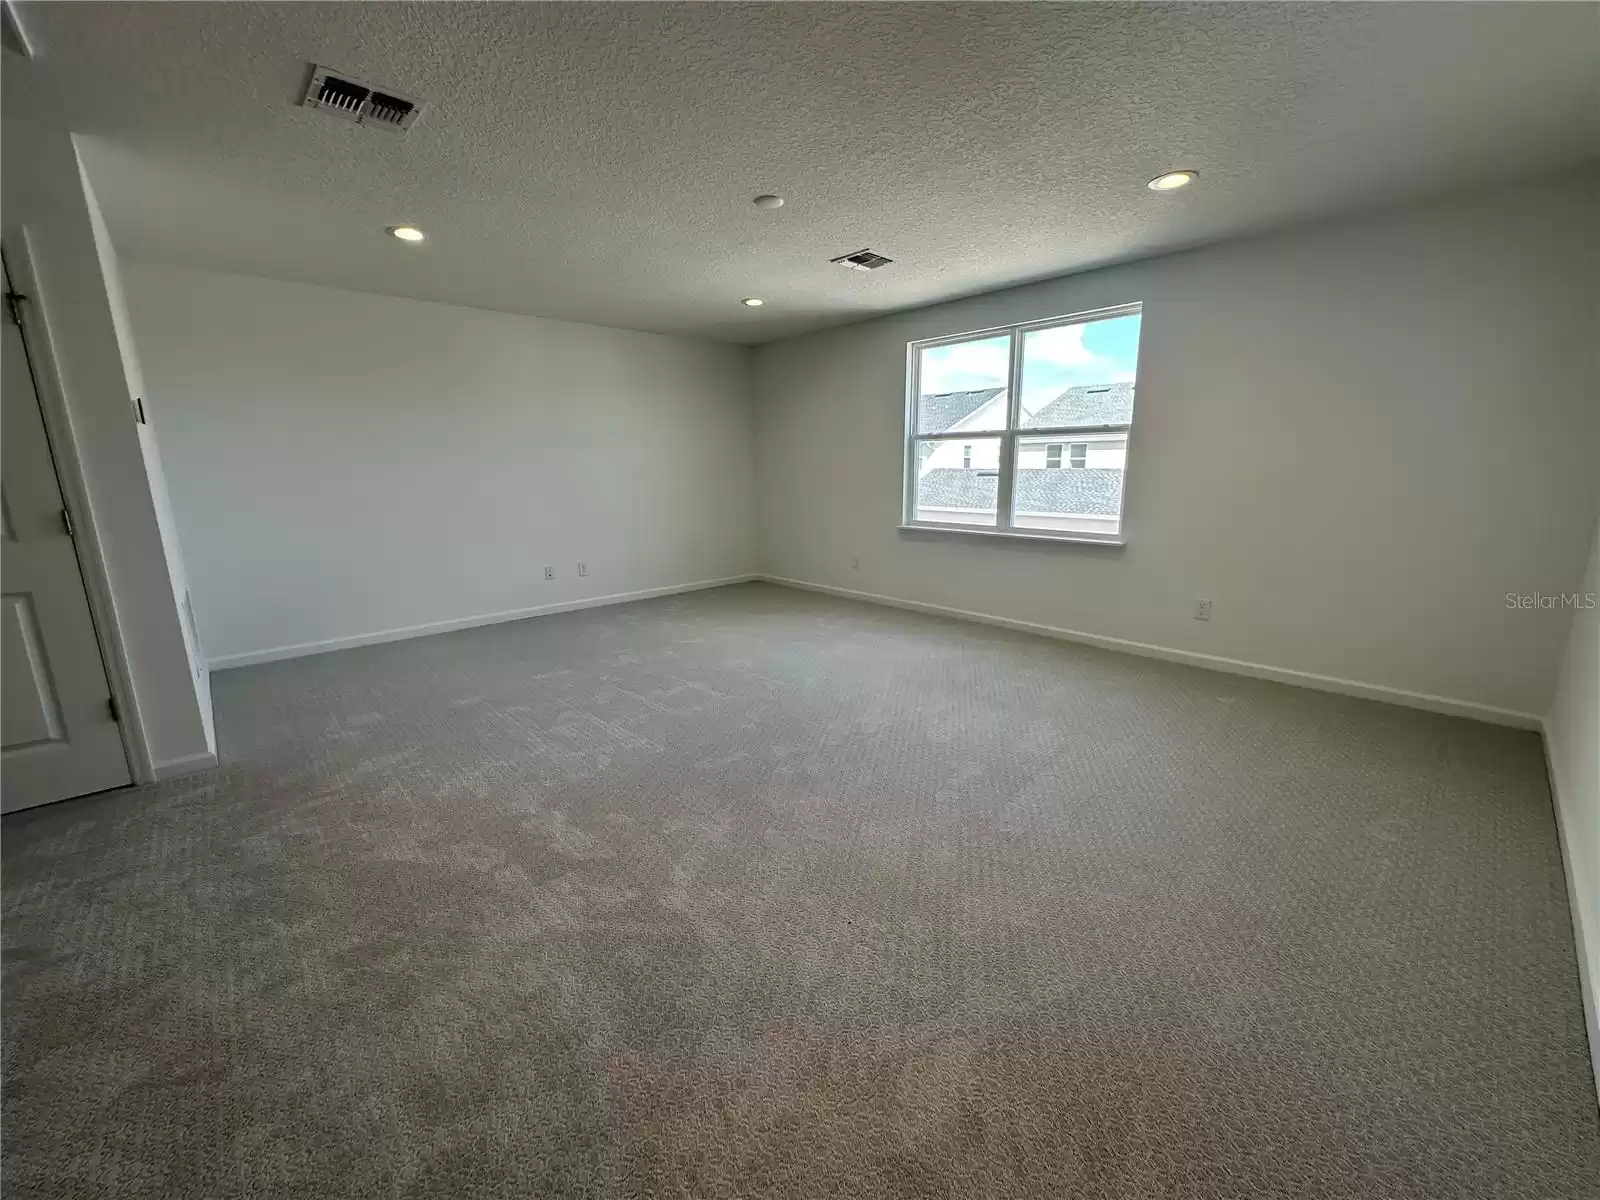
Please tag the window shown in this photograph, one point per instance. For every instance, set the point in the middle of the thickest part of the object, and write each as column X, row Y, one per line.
column 1023, row 388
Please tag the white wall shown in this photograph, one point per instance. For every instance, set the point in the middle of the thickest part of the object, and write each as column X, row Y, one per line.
column 344, row 464
column 1355, row 438
column 150, row 452
column 1572, row 734
column 49, row 206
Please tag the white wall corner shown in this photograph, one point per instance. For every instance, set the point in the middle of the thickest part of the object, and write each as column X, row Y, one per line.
column 179, row 727
column 1580, row 897
column 1572, row 754
column 49, row 210
column 435, row 492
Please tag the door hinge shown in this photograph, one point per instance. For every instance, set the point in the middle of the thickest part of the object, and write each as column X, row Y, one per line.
column 66, row 523
column 116, row 712
column 14, row 306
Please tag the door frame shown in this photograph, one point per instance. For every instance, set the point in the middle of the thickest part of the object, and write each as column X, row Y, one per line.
column 35, row 329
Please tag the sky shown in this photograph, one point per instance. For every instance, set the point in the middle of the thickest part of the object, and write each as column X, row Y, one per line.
column 1052, row 360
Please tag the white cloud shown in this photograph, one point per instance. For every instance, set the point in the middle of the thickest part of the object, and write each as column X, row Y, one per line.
column 964, row 366
column 1062, row 346
column 1056, row 359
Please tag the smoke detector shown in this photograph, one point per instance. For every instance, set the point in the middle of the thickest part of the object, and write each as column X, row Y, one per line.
column 862, row 260
column 341, row 95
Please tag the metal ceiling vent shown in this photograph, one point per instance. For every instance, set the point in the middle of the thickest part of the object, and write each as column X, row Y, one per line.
column 862, row 260
column 339, row 95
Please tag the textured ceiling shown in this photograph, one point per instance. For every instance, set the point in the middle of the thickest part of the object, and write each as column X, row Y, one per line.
column 597, row 161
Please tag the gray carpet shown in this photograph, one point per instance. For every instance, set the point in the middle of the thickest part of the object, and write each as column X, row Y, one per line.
column 753, row 893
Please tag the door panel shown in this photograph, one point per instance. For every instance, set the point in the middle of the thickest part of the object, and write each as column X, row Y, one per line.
column 30, row 713
column 58, row 737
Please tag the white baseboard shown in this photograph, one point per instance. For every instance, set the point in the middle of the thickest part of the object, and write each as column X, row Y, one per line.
column 1232, row 666
column 251, row 657
column 1586, row 937
column 172, row 768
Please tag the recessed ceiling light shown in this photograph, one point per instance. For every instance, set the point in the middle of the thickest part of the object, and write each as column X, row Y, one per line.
column 752, row 302
column 768, row 202
column 1172, row 181
column 407, row 233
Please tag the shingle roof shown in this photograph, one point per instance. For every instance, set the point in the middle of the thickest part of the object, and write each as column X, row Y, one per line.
column 1086, row 404
column 1081, row 491
column 1097, row 404
column 945, row 410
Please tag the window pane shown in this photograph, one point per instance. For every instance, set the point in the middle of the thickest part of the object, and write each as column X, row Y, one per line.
column 957, row 482
column 1081, row 374
column 963, row 385
column 1082, row 494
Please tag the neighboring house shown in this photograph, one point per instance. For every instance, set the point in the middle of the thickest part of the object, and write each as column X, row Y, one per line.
column 960, row 410
column 1064, row 482
column 1095, row 404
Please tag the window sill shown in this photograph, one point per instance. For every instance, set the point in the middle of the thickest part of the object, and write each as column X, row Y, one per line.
column 1014, row 535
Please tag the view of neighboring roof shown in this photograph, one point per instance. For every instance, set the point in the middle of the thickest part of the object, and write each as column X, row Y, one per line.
column 1091, row 404
column 1079, row 491
column 1086, row 404
column 945, row 410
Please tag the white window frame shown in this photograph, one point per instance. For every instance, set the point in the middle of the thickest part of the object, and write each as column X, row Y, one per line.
column 1010, row 434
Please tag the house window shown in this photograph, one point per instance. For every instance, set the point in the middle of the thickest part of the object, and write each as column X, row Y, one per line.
column 1043, row 396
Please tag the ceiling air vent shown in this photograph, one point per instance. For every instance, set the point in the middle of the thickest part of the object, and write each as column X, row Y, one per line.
column 862, row 260
column 341, row 96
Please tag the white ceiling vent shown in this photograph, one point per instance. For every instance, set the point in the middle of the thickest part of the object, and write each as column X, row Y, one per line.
column 862, row 260
column 340, row 95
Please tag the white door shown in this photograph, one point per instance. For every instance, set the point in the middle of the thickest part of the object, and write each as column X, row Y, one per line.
column 58, row 732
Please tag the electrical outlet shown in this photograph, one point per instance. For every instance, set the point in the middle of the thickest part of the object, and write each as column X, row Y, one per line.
column 583, row 568
column 855, row 562
column 1202, row 609
column 549, row 572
